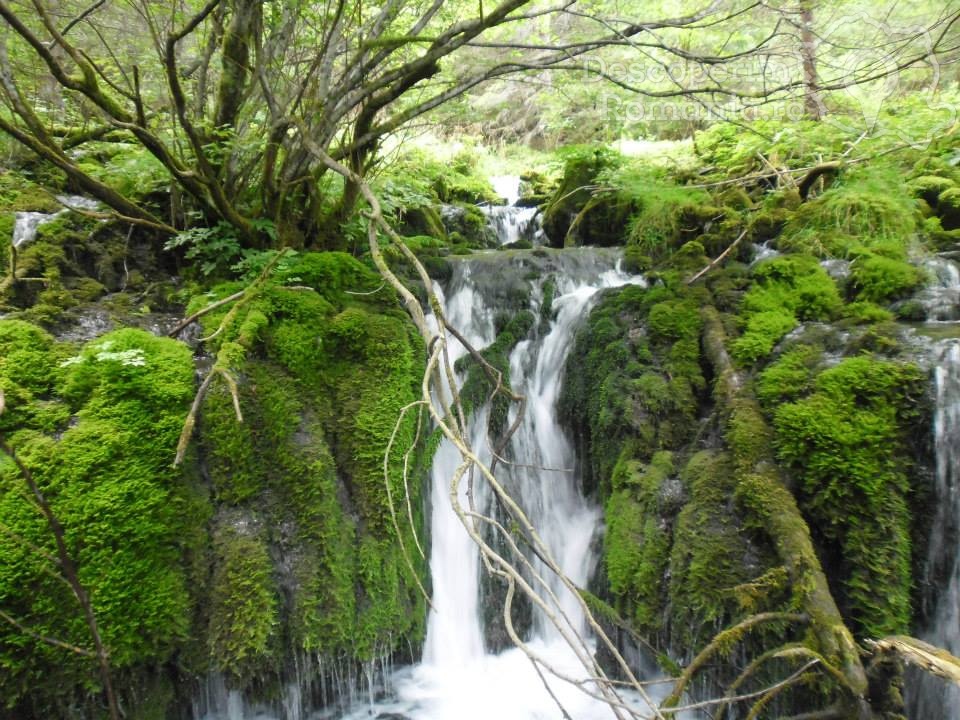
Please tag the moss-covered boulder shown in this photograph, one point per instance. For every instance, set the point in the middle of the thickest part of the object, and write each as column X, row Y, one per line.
column 844, row 431
column 929, row 187
column 948, row 208
column 468, row 227
column 323, row 375
column 97, row 430
column 574, row 215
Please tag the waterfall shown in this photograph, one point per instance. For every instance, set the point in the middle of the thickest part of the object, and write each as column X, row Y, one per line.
column 459, row 678
column 941, row 297
column 931, row 698
column 26, row 224
column 509, row 221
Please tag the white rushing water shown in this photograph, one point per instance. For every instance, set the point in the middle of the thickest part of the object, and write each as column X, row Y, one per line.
column 26, row 224
column 930, row 698
column 941, row 297
column 510, row 222
column 507, row 187
column 460, row 677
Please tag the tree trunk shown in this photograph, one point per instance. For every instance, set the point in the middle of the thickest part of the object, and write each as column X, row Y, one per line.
column 808, row 54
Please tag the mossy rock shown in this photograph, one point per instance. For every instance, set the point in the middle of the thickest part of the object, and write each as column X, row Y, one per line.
column 879, row 279
column 846, row 438
column 768, row 223
column 929, row 187
column 18, row 193
column 574, row 194
column 638, row 540
column 948, row 208
column 424, row 220
column 711, row 554
column 787, row 289
column 736, row 198
column 941, row 239
column 244, row 620
column 861, row 207
column 866, row 312
column 130, row 520
column 635, row 261
column 467, row 225
column 602, row 222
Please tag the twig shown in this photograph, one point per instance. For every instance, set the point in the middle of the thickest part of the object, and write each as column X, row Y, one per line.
column 43, row 638
column 719, row 259
column 200, row 313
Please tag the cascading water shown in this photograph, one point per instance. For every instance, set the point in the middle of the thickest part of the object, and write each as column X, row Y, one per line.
column 458, row 678
column 931, row 698
column 26, row 224
column 511, row 222
column 941, row 297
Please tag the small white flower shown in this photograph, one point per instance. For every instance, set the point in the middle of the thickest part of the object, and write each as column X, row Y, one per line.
column 133, row 357
column 76, row 360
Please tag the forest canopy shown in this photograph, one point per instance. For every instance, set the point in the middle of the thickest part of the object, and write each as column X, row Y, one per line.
column 233, row 100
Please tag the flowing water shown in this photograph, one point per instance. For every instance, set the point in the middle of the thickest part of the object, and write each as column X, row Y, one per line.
column 458, row 678
column 941, row 297
column 509, row 221
column 26, row 224
column 461, row 677
column 930, row 698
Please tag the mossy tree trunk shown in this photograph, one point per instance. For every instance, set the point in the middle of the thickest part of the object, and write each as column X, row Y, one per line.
column 765, row 497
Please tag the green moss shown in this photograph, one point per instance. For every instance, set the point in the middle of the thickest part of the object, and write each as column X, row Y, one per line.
column 477, row 386
column 674, row 320
column 867, row 203
column 846, row 440
column 7, row 222
column 707, row 559
column 573, row 213
column 879, row 279
column 929, row 187
column 864, row 312
column 787, row 289
column 424, row 220
column 244, row 619
column 665, row 213
column 637, row 543
column 127, row 515
column 948, row 208
column 763, row 331
column 791, row 376
column 638, row 377
column 323, row 377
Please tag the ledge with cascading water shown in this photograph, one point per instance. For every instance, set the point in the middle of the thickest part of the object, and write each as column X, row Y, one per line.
column 466, row 672
column 461, row 675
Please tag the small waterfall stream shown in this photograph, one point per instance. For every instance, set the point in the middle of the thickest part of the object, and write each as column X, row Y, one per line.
column 930, row 698
column 941, row 297
column 458, row 678
column 512, row 223
column 26, row 224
